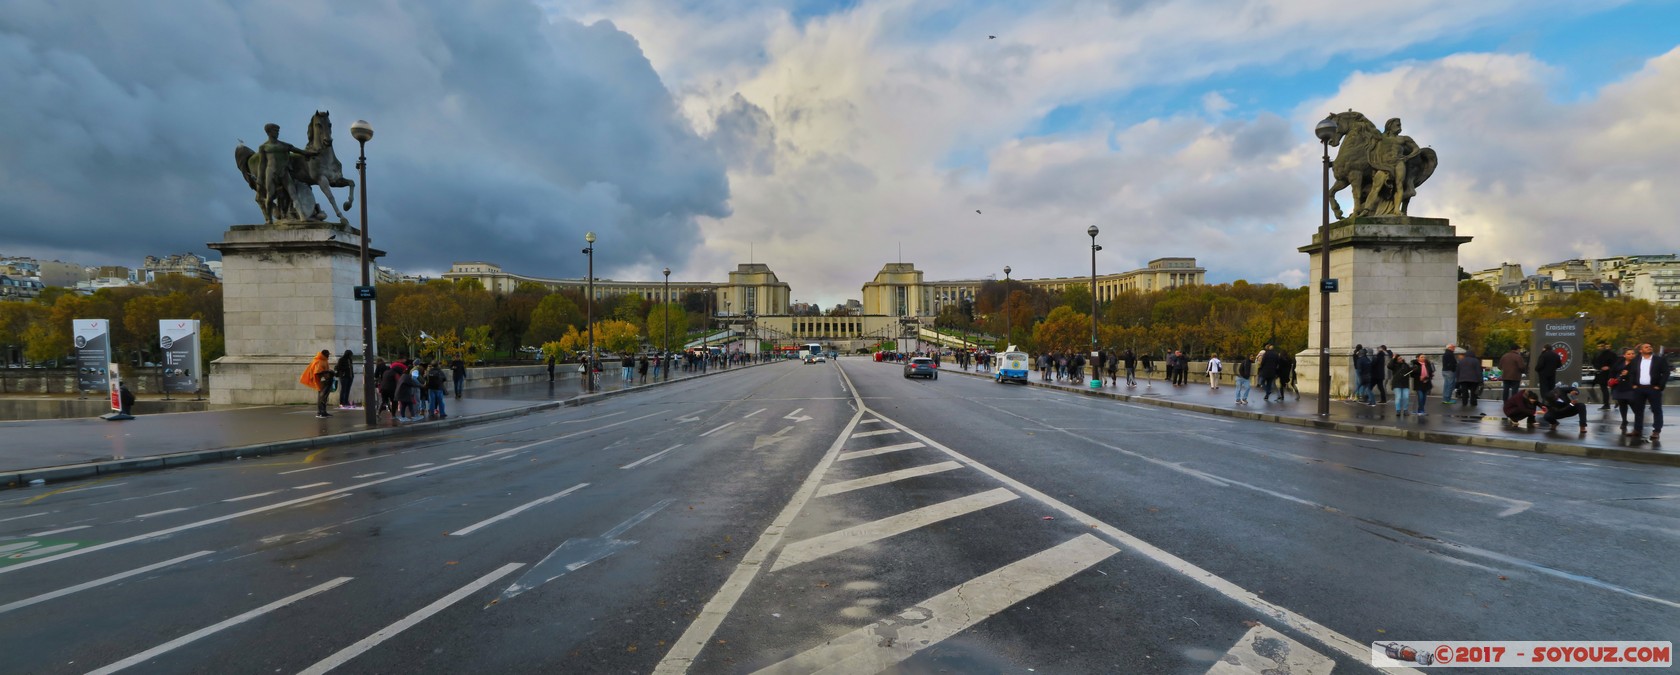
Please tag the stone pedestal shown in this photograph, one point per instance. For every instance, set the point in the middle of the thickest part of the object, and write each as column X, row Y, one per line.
column 1398, row 279
column 287, row 294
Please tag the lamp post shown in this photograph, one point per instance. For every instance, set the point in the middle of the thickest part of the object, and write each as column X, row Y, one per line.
column 1007, row 334
column 1325, row 130
column 363, row 132
column 665, row 347
column 589, row 316
column 1092, row 230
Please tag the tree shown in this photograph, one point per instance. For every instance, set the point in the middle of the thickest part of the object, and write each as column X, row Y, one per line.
column 1063, row 330
column 552, row 316
column 631, row 309
column 618, row 336
column 1077, row 298
column 656, row 327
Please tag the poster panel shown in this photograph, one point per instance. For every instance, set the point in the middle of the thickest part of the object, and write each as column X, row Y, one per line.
column 93, row 353
column 1567, row 337
column 181, row 363
column 116, row 388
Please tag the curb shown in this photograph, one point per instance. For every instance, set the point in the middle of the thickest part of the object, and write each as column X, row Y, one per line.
column 1542, row 447
column 14, row 478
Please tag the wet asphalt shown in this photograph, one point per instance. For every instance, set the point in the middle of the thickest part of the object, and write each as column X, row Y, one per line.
column 1109, row 538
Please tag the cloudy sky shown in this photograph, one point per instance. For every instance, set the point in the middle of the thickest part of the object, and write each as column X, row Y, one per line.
column 822, row 137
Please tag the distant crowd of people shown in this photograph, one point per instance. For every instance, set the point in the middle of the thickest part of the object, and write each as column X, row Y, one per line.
column 409, row 391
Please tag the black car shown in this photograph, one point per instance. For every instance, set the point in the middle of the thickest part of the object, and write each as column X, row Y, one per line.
column 921, row 366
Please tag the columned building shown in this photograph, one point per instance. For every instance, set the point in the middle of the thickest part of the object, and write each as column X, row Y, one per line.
column 753, row 290
column 495, row 280
column 897, row 290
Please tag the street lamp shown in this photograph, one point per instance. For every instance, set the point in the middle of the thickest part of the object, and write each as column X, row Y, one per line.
column 589, row 316
column 1325, row 131
column 1007, row 334
column 665, row 348
column 363, row 132
column 1092, row 230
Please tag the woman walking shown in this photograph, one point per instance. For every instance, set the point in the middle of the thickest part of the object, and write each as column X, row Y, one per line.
column 1213, row 369
column 1245, row 370
column 1422, row 381
column 346, row 372
column 1400, row 376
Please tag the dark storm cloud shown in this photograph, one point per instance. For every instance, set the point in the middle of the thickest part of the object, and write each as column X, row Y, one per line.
column 500, row 134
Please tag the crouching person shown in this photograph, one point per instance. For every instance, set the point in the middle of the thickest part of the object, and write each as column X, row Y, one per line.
column 1565, row 402
column 1521, row 408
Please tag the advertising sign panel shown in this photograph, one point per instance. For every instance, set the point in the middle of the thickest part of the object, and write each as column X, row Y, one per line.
column 179, row 340
column 116, row 388
column 93, row 353
column 1567, row 337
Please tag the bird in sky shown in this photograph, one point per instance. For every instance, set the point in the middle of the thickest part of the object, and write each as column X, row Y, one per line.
column 977, row 210
column 991, row 37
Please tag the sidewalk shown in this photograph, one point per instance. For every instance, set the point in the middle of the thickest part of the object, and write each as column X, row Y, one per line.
column 1480, row 425
column 61, row 449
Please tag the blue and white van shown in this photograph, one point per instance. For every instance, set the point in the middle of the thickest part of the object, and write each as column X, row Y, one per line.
column 1011, row 366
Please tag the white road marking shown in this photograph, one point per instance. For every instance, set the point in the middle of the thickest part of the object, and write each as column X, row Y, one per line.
column 716, row 430
column 457, row 459
column 32, row 515
column 717, row 609
column 650, row 458
column 884, row 478
column 870, row 422
column 1282, row 655
column 516, row 511
column 331, row 465
column 852, row 537
column 796, row 417
column 344, row 655
column 159, row 650
column 259, row 494
column 98, row 582
column 129, row 499
column 866, row 434
column 958, row 609
column 1341, row 643
column 163, row 512
column 370, row 475
column 755, row 412
column 61, row 530
column 879, row 451
column 421, row 465
column 316, row 485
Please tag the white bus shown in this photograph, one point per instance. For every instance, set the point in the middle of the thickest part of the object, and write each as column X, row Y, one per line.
column 812, row 353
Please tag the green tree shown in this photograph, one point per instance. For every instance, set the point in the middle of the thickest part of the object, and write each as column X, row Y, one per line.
column 614, row 335
column 1063, row 330
column 656, row 326
column 552, row 316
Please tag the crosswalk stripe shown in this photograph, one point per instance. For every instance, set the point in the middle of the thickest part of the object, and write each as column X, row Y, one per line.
column 879, row 451
column 870, row 422
column 884, row 478
column 1263, row 650
column 852, row 537
column 880, row 646
column 866, row 434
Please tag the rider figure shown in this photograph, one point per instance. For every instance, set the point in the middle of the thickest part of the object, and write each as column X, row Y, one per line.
column 276, row 160
column 1395, row 150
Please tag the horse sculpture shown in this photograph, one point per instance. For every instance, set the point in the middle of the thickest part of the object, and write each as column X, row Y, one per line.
column 316, row 166
column 1380, row 168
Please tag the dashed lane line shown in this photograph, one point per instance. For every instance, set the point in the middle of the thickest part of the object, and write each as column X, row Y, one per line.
column 345, row 655
column 866, row 434
column 878, row 647
column 98, row 582
column 884, row 478
column 516, row 511
column 650, row 458
column 316, row 485
column 721, row 428
column 259, row 494
column 171, row 645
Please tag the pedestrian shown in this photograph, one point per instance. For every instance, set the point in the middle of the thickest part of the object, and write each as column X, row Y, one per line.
column 1649, row 373
column 405, row 394
column 458, row 374
column 1362, row 370
column 318, row 375
column 551, row 369
column 346, row 373
column 1130, row 359
column 1269, row 372
column 626, row 365
column 420, row 373
column 1546, row 367
column 1245, row 370
column 1511, row 367
column 436, row 387
column 1565, row 402
column 379, row 370
column 1468, row 379
column 1602, row 362
column 1621, row 385
column 1520, row 409
column 1213, row 371
column 1423, row 379
column 1400, row 374
column 1183, row 368
column 1112, row 362
column 125, row 399
column 388, row 388
column 1449, row 373
column 642, row 368
column 1288, row 378
column 1379, row 373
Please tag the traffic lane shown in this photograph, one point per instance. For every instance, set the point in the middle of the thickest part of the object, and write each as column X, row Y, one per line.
column 387, row 528
column 1349, row 471
column 1273, row 544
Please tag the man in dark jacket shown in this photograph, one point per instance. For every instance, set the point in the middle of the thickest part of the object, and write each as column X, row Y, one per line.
column 1379, row 373
column 1449, row 373
column 1546, row 367
column 1565, row 402
column 1648, row 375
column 1269, row 372
column 1511, row 367
column 1468, row 378
column 1601, row 363
column 458, row 375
